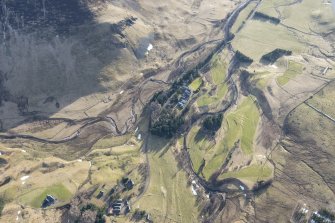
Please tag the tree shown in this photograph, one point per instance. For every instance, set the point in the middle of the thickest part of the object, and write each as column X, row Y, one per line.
column 88, row 216
column 213, row 123
column 166, row 125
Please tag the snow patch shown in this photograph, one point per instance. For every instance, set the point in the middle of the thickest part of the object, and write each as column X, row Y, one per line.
column 149, row 48
column 24, row 178
column 194, row 192
column 163, row 190
column 304, row 210
column 194, row 187
column 17, row 217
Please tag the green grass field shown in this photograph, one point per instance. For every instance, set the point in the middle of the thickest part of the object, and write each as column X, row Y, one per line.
column 114, row 157
column 48, row 175
column 260, row 79
column 35, row 198
column 218, row 71
column 199, row 147
column 168, row 198
column 325, row 100
column 218, row 75
column 214, row 163
column 195, row 85
column 292, row 71
column 241, row 125
column 252, row 173
column 206, row 99
column 111, row 141
column 110, row 167
column 258, row 38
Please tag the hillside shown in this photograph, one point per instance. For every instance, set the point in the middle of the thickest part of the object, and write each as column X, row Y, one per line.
column 167, row 111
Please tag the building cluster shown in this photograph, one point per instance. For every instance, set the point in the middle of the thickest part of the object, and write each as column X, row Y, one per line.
column 184, row 98
column 120, row 206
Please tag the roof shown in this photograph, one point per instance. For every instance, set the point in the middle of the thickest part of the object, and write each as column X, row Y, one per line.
column 49, row 200
column 129, row 183
column 116, row 205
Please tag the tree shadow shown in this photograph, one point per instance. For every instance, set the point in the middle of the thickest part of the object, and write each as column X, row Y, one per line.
column 204, row 134
column 158, row 144
column 249, row 88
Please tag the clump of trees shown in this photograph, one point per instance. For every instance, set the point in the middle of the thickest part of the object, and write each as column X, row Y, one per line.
column 139, row 214
column 80, row 210
column 262, row 16
column 166, row 125
column 323, row 216
column 162, row 96
column 96, row 212
column 213, row 123
column 274, row 55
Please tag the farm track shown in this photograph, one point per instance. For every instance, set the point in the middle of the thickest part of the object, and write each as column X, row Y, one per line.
column 320, row 112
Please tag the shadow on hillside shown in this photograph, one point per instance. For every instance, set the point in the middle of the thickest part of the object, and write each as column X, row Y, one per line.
column 156, row 144
column 59, row 55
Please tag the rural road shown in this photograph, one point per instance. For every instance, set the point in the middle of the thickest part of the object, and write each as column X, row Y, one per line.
column 321, row 112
